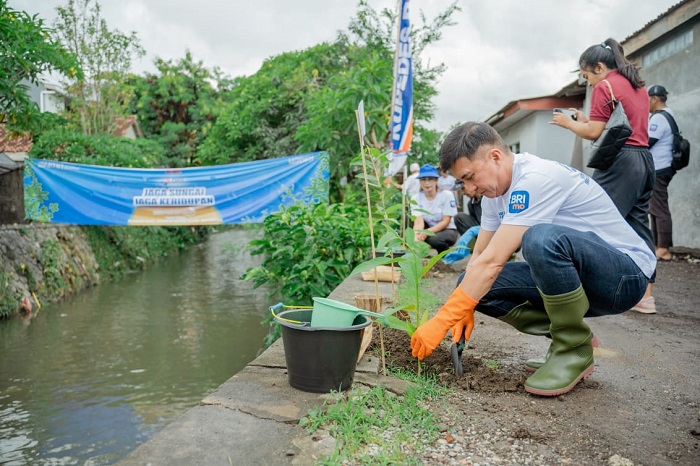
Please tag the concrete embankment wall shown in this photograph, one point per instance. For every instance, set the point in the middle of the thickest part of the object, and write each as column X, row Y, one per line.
column 42, row 262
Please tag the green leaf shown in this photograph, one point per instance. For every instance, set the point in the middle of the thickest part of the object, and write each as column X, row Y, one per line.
column 372, row 263
column 396, row 323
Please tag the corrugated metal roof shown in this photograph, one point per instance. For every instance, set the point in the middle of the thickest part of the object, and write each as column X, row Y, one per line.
column 665, row 13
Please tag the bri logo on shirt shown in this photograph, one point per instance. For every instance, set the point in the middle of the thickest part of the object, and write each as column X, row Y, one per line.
column 519, row 202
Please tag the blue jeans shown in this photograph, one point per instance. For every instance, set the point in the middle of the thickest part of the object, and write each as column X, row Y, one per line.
column 558, row 260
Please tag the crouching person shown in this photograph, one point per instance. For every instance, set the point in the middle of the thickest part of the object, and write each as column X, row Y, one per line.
column 581, row 258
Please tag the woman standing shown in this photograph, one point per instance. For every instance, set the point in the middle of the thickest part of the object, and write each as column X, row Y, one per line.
column 434, row 211
column 630, row 179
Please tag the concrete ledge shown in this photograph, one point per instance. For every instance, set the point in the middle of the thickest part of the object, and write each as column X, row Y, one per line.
column 265, row 394
column 213, row 435
column 252, row 418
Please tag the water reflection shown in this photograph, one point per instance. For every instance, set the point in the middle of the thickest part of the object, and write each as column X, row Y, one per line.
column 91, row 378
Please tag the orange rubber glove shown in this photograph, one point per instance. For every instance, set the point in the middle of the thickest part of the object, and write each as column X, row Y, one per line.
column 458, row 308
column 466, row 323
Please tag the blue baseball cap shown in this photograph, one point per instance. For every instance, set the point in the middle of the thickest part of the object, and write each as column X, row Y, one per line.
column 428, row 171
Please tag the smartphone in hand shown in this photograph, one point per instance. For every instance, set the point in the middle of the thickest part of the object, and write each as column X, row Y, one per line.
column 561, row 110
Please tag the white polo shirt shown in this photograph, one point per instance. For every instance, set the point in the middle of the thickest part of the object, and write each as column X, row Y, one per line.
column 544, row 191
column 660, row 129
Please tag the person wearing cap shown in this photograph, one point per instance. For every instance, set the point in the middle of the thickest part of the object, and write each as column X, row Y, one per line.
column 434, row 211
column 661, row 145
column 582, row 259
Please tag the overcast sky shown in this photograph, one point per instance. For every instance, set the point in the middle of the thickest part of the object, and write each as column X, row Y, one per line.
column 499, row 50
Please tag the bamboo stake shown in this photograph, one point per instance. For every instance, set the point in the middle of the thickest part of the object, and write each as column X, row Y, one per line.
column 371, row 230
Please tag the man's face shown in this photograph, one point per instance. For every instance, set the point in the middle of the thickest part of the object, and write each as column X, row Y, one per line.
column 482, row 176
column 653, row 102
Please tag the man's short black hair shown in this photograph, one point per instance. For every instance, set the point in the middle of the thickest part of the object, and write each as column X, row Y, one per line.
column 465, row 140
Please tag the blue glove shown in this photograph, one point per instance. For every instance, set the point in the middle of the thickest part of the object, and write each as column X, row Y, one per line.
column 462, row 249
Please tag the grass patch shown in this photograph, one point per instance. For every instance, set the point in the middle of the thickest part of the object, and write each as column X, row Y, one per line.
column 491, row 364
column 377, row 426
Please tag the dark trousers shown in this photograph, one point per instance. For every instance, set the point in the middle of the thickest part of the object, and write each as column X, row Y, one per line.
column 661, row 223
column 559, row 260
column 464, row 221
column 629, row 182
column 443, row 240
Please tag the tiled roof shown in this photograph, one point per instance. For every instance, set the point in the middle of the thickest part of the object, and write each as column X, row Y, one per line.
column 12, row 142
column 124, row 123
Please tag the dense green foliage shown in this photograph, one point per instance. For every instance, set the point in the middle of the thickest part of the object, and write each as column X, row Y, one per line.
column 8, row 301
column 121, row 250
column 26, row 51
column 70, row 146
column 266, row 108
column 178, row 105
column 100, row 97
column 309, row 250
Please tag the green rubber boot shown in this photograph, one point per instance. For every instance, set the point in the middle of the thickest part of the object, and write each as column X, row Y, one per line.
column 528, row 319
column 533, row 364
column 532, row 321
column 571, row 357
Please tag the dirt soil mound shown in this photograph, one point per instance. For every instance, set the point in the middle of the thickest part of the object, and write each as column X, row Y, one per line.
column 641, row 406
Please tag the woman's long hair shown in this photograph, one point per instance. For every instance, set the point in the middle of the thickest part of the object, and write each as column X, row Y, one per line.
column 611, row 54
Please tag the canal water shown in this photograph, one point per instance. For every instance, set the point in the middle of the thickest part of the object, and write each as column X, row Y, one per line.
column 89, row 379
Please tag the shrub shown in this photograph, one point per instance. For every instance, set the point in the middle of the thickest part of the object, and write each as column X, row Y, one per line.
column 121, row 250
column 309, row 250
column 69, row 146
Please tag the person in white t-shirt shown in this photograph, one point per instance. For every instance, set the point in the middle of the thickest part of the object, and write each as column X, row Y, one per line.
column 434, row 211
column 411, row 186
column 446, row 182
column 581, row 256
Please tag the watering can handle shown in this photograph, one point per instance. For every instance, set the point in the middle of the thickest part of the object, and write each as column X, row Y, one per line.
column 276, row 307
column 373, row 314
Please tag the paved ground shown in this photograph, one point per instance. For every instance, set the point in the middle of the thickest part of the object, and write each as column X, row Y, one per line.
column 642, row 403
column 641, row 406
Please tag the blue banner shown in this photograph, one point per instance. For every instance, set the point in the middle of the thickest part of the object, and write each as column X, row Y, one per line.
column 401, row 123
column 71, row 193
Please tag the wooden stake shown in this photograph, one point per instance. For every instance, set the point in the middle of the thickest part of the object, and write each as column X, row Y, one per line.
column 371, row 228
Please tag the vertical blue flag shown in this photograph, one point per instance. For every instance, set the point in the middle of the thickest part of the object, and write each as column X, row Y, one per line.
column 401, row 123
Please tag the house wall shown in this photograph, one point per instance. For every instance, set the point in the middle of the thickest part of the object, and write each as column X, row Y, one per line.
column 130, row 133
column 47, row 100
column 538, row 137
column 34, row 91
column 680, row 75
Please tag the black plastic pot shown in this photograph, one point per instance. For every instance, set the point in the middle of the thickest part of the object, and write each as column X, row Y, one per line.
column 395, row 253
column 320, row 359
